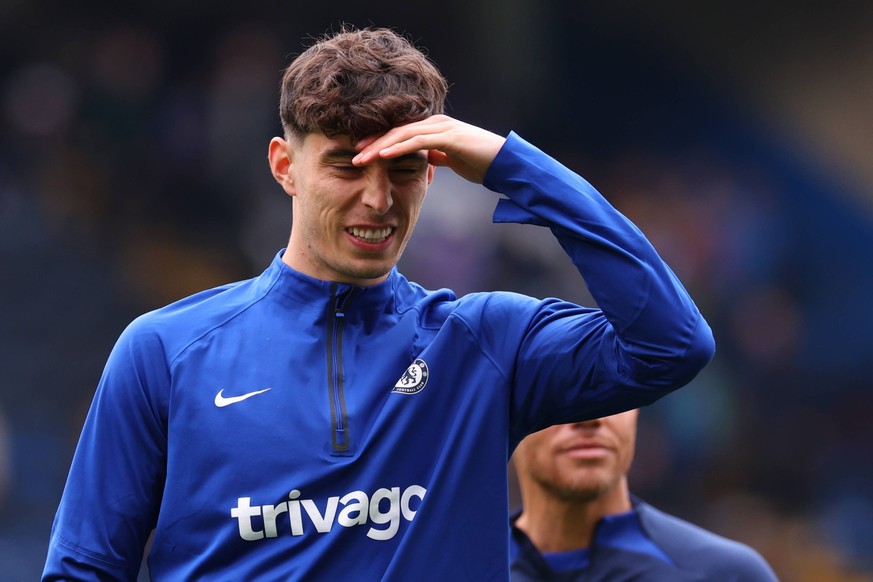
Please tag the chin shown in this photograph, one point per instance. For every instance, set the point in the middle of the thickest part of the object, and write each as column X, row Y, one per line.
column 366, row 274
column 591, row 485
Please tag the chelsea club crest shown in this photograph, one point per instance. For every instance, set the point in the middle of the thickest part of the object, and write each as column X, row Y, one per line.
column 414, row 379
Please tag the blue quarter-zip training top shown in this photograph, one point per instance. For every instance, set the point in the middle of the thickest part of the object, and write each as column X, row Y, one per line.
column 287, row 428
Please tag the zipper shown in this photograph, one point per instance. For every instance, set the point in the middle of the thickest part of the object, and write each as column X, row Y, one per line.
column 339, row 439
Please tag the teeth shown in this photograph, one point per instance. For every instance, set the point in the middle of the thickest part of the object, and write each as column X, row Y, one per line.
column 371, row 234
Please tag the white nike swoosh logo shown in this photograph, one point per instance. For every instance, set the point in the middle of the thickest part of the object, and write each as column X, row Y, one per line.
column 221, row 401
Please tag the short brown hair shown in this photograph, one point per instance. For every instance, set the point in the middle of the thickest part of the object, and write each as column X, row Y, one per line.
column 359, row 83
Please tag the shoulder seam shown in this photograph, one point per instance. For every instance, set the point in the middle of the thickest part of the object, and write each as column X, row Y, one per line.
column 225, row 321
column 459, row 317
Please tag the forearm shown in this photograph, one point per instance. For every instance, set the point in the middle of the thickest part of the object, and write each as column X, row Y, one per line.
column 655, row 321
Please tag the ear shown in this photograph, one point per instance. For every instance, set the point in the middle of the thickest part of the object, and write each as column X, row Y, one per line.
column 431, row 169
column 279, row 154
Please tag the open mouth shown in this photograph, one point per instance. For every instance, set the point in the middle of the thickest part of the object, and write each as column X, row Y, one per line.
column 371, row 235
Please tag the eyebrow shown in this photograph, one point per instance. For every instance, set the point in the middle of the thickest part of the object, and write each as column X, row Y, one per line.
column 346, row 154
column 339, row 154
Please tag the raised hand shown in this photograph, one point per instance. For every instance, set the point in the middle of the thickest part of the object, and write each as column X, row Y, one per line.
column 466, row 149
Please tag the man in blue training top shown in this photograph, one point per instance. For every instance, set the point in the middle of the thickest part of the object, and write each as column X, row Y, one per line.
column 330, row 419
column 578, row 520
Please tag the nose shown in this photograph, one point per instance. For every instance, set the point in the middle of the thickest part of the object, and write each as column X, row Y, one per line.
column 593, row 423
column 377, row 190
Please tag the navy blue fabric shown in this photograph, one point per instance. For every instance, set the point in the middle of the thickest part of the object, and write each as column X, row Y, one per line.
column 675, row 551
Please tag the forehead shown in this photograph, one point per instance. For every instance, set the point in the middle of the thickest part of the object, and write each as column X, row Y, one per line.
column 320, row 144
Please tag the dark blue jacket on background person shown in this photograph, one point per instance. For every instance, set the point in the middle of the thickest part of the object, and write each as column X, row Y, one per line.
column 643, row 545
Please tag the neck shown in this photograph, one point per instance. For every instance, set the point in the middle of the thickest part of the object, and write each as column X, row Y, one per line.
column 560, row 525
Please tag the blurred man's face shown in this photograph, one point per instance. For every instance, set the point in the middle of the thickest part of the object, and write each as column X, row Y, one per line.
column 579, row 461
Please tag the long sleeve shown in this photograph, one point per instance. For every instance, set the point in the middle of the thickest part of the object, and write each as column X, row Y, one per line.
column 647, row 338
column 113, row 491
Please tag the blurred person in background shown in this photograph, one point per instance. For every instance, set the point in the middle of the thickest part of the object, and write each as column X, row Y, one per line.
column 579, row 521
column 329, row 419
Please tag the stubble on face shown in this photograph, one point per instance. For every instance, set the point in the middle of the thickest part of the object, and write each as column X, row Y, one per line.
column 545, row 459
column 579, row 484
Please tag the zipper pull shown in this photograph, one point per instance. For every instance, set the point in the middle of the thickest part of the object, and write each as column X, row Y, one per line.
column 341, row 302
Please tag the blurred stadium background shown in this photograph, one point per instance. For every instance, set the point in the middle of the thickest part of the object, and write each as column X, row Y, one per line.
column 133, row 172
